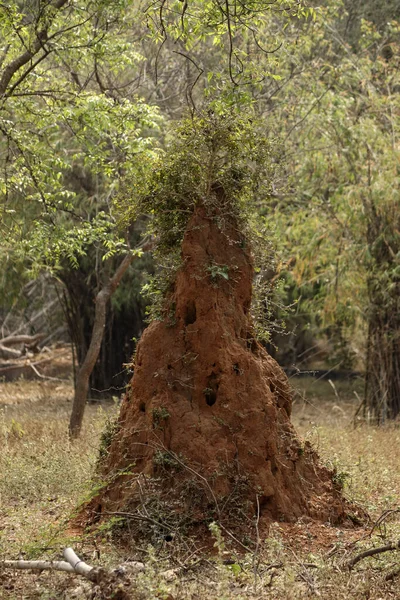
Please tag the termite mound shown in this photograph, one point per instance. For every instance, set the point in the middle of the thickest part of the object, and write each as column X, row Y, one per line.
column 204, row 430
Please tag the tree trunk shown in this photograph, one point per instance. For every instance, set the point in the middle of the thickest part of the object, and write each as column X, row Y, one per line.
column 124, row 324
column 86, row 368
column 382, row 381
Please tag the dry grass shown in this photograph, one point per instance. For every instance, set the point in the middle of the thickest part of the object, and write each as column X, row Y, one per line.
column 43, row 477
column 367, row 457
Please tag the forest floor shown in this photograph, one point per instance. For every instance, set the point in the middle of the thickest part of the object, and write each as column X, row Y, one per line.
column 43, row 477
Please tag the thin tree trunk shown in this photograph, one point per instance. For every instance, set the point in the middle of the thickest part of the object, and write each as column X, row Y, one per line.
column 85, row 370
column 382, row 383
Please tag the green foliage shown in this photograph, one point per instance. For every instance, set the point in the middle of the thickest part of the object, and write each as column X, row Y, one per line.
column 166, row 461
column 234, row 32
column 218, row 271
column 216, row 149
column 65, row 145
column 74, row 138
column 340, row 478
column 336, row 223
column 111, row 427
column 219, row 542
column 160, row 414
column 216, row 146
column 15, row 430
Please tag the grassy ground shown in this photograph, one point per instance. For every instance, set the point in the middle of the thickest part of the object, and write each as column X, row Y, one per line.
column 43, row 478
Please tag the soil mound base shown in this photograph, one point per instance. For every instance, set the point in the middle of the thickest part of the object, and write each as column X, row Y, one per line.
column 204, row 431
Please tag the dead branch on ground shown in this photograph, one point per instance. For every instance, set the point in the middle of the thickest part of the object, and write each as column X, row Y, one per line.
column 28, row 340
column 72, row 564
column 392, row 546
column 9, row 352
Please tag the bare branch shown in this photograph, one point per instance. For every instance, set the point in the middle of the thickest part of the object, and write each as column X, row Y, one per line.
column 373, row 551
column 9, row 352
column 73, row 565
column 37, row 565
column 313, row 105
column 26, row 73
column 200, row 73
column 78, row 565
column 22, row 339
column 41, row 376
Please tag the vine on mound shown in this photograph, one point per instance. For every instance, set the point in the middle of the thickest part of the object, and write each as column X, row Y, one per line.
column 204, row 431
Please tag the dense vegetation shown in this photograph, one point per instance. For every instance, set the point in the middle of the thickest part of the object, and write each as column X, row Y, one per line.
column 89, row 95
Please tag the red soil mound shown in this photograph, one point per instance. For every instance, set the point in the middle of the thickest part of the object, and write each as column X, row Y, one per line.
column 207, row 414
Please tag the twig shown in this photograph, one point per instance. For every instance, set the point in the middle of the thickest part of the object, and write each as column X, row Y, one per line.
column 304, row 574
column 382, row 518
column 313, row 105
column 255, row 555
column 361, row 402
column 234, row 538
column 191, row 87
column 275, row 567
column 34, row 369
column 278, row 565
column 372, row 551
column 137, row 517
column 334, row 389
column 188, row 468
column 271, row 578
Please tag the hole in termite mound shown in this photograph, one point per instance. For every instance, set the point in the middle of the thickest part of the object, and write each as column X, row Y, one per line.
column 190, row 316
column 211, row 397
column 210, row 392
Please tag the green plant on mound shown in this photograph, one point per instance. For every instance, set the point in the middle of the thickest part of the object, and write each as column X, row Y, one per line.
column 217, row 151
column 218, row 271
column 110, row 429
column 160, row 414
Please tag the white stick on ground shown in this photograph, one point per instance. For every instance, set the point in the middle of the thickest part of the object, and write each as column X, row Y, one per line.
column 78, row 565
column 73, row 565
column 38, row 565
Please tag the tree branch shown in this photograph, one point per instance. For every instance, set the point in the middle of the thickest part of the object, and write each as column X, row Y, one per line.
column 9, row 352
column 373, row 551
column 22, row 339
column 25, row 57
